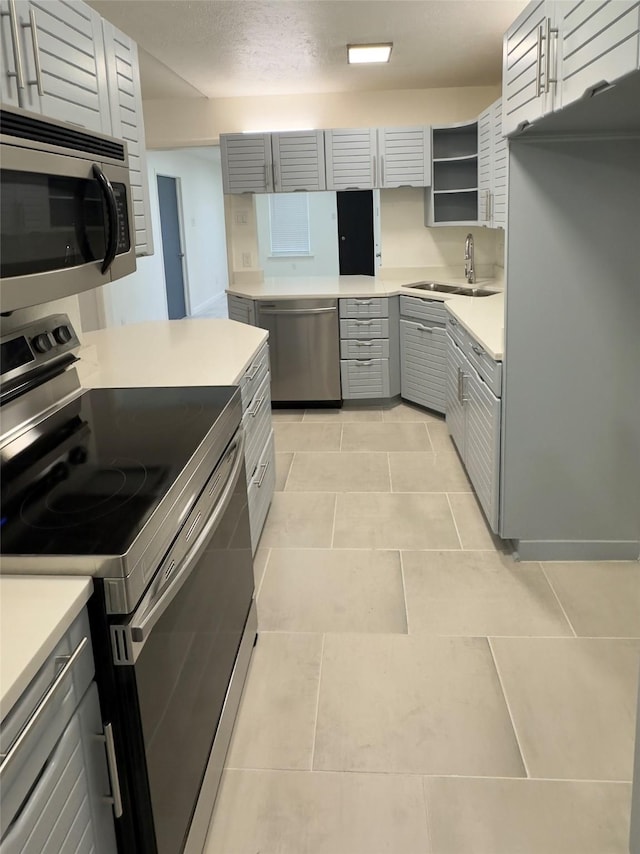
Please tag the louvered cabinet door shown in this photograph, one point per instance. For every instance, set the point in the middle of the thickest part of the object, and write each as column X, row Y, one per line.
column 405, row 156
column 500, row 166
column 298, row 161
column 599, row 43
column 126, row 117
column 423, row 364
column 247, row 165
column 63, row 51
column 482, row 443
column 455, row 409
column 485, row 166
column 351, row 159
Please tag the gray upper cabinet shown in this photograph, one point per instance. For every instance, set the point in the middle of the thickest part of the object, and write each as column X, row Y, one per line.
column 598, row 44
column 9, row 55
column 404, row 156
column 125, row 103
column 298, row 161
column 351, row 159
column 247, row 164
column 492, row 168
column 485, row 165
column 60, row 52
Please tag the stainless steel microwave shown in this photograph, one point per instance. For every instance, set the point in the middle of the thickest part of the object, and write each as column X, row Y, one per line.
column 66, row 214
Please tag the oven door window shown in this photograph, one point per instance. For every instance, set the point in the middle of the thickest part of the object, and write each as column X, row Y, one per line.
column 49, row 223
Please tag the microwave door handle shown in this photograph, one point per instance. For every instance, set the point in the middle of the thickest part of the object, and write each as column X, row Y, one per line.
column 112, row 212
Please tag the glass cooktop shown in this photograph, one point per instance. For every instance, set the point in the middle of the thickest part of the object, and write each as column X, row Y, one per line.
column 87, row 483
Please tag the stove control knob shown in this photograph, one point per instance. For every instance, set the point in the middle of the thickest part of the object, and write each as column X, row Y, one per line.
column 62, row 334
column 41, row 343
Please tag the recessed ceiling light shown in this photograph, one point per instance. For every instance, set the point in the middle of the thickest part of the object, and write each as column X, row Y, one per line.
column 358, row 53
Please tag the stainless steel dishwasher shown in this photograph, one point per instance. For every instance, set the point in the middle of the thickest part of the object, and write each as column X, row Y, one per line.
column 304, row 344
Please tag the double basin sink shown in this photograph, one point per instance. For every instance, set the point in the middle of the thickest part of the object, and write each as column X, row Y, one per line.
column 458, row 290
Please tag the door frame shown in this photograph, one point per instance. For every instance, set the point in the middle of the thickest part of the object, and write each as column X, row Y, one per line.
column 183, row 243
column 377, row 233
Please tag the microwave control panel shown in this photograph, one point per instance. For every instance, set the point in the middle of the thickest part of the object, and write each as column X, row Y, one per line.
column 124, row 240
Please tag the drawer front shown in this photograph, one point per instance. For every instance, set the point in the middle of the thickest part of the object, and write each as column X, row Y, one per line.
column 257, row 426
column 366, row 307
column 260, row 491
column 356, row 348
column 375, row 327
column 489, row 370
column 253, row 376
column 424, row 364
column 363, row 379
column 423, row 309
column 458, row 333
column 241, row 309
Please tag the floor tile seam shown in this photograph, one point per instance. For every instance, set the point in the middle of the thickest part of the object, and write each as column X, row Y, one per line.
column 425, row 636
column 264, row 572
column 455, row 523
column 553, row 590
column 428, row 777
column 425, row 803
column 315, row 722
column 509, row 712
column 335, row 516
column 286, row 481
column 429, row 439
column 389, row 470
column 404, row 591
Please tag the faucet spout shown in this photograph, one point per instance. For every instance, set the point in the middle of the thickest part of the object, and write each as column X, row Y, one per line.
column 469, row 263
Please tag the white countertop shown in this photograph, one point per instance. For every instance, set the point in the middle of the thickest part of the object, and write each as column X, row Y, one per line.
column 194, row 351
column 35, row 612
column 482, row 317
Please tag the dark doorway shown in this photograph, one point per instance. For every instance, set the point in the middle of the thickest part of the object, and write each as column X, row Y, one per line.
column 171, row 247
column 355, row 233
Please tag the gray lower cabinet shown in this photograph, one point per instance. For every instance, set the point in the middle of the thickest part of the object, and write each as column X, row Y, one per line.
column 259, row 452
column 474, row 408
column 369, row 348
column 54, row 774
column 241, row 309
column 423, row 352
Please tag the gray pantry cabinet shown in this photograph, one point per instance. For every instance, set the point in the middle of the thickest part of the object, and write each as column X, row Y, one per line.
column 474, row 409
column 369, row 351
column 62, row 60
column 423, row 352
column 558, row 51
column 59, row 790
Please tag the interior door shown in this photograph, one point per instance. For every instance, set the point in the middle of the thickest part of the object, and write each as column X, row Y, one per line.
column 172, row 247
column 356, row 245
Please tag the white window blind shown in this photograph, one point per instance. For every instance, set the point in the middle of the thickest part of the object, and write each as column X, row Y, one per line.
column 289, row 224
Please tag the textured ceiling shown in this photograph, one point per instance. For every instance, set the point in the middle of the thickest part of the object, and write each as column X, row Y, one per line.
column 230, row 48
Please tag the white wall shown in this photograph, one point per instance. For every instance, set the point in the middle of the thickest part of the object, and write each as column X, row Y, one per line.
column 142, row 296
column 323, row 231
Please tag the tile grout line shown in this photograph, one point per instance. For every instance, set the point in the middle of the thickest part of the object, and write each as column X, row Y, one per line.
column 341, row 436
column 506, row 702
column 455, row 524
column 286, row 480
column 553, row 590
column 264, row 572
column 315, row 723
column 389, row 467
column 404, row 591
column 335, row 513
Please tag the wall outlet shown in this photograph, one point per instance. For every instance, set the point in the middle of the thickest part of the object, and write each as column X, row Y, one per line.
column 246, row 259
column 241, row 218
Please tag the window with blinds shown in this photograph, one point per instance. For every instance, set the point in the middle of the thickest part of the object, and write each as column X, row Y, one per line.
column 289, row 224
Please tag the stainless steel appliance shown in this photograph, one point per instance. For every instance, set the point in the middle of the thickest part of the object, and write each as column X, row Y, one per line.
column 66, row 212
column 144, row 489
column 304, row 345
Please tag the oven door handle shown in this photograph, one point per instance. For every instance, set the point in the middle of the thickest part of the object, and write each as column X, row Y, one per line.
column 112, row 212
column 141, row 625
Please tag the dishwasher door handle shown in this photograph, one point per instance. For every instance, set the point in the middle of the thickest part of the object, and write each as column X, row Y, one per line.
column 272, row 312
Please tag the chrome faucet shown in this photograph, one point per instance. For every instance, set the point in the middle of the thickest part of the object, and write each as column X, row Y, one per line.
column 469, row 264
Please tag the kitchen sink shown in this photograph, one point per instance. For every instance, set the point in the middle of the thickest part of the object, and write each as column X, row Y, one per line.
column 459, row 290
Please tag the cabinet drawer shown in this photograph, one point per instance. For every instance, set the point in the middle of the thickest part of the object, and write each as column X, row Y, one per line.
column 355, row 348
column 423, row 309
column 260, row 491
column 368, row 378
column 253, row 376
column 256, row 422
column 458, row 333
column 375, row 327
column 366, row 307
column 489, row 370
column 241, row 309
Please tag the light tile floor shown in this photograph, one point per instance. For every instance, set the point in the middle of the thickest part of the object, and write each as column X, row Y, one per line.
column 414, row 690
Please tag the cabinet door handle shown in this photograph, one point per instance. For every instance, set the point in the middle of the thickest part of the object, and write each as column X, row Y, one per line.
column 453, row 321
column 363, row 302
column 253, row 412
column 116, row 795
column 477, row 349
column 547, row 78
column 424, row 328
column 382, row 170
column 69, row 660
column 364, row 362
column 251, row 371
column 539, row 63
column 15, row 41
column 364, row 343
column 363, row 322
column 276, row 177
column 33, row 26
column 263, row 474
column 374, row 171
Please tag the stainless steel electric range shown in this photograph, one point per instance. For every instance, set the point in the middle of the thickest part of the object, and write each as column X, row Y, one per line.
column 145, row 490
